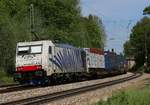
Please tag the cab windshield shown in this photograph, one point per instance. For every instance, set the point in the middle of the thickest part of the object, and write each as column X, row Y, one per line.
column 36, row 49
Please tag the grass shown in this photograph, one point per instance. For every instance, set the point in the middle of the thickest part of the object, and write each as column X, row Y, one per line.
column 5, row 78
column 129, row 97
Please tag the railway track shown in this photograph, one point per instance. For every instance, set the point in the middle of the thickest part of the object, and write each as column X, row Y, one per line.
column 67, row 93
column 9, row 85
column 16, row 88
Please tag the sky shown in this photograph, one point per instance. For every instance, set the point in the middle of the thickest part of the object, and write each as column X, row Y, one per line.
column 118, row 16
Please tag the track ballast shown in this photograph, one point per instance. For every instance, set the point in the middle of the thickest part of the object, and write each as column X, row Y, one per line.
column 59, row 95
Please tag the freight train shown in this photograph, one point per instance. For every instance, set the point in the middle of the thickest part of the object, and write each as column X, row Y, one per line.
column 41, row 62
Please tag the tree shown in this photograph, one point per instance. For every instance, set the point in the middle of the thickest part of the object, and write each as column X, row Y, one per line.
column 96, row 32
column 136, row 45
column 128, row 49
column 146, row 10
column 56, row 20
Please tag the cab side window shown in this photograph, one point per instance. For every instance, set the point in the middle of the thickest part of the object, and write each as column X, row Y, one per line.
column 50, row 50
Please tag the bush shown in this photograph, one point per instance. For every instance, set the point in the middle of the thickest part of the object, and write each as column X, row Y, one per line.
column 147, row 70
column 5, row 78
column 130, row 97
column 144, row 69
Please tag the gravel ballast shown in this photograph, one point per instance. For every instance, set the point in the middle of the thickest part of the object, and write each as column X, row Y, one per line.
column 12, row 96
column 91, row 97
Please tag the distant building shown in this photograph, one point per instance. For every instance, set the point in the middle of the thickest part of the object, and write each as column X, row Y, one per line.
column 130, row 62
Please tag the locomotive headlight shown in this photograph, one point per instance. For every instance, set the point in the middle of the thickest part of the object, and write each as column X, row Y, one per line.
column 19, row 68
column 39, row 67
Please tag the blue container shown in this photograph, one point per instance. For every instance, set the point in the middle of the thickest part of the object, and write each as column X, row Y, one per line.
column 114, row 61
column 108, row 64
column 111, row 61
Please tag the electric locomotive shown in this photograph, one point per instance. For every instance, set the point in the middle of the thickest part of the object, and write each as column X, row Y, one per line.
column 38, row 60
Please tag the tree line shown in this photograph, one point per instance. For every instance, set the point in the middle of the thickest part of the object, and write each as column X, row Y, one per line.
column 58, row 20
column 138, row 45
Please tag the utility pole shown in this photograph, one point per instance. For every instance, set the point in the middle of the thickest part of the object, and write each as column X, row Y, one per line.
column 32, row 24
column 146, row 52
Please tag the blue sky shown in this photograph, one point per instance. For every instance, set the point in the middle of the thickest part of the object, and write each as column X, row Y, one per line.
column 118, row 16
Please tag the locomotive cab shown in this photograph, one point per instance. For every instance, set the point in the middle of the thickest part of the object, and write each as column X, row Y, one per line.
column 32, row 61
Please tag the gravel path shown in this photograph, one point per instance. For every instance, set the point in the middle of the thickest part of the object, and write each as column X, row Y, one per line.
column 12, row 96
column 100, row 94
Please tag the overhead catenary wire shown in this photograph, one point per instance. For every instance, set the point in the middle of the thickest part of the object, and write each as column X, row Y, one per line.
column 122, row 23
column 109, row 19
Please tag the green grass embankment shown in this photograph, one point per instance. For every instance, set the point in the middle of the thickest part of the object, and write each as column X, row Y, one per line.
column 129, row 97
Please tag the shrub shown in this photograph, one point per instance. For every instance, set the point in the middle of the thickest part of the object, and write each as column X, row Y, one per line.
column 130, row 97
column 5, row 78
